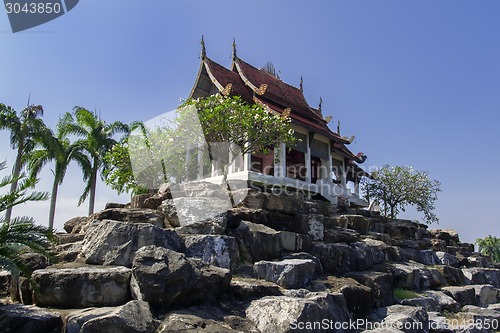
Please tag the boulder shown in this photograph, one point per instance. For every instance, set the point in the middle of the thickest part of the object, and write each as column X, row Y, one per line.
column 132, row 317
column 165, row 278
column 186, row 210
column 359, row 223
column 296, row 242
column 213, row 226
column 485, row 295
column 139, row 199
column 248, row 288
column 5, row 282
column 427, row 303
column 288, row 273
column 115, row 243
column 464, row 295
column 426, row 257
column 116, row 205
column 33, row 261
column 336, row 258
column 482, row 316
column 339, row 235
column 444, row 258
column 304, row 255
column 483, row 276
column 131, row 215
column 204, row 319
column 258, row 242
column 69, row 238
column 380, row 283
column 453, row 276
column 218, row 250
column 18, row 318
column 287, row 204
column 366, row 256
column 82, row 286
column 259, row 216
column 409, row 319
column 74, row 225
column 287, row 314
column 445, row 302
column 311, row 224
column 449, row 236
column 411, row 276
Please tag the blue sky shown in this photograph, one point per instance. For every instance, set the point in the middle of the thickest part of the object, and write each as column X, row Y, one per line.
column 417, row 82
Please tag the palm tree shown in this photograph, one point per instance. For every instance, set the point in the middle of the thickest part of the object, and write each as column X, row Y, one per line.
column 23, row 131
column 21, row 233
column 490, row 246
column 97, row 140
column 59, row 149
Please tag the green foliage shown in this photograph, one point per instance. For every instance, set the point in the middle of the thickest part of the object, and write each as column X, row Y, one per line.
column 97, row 138
column 20, row 234
column 24, row 129
column 402, row 294
column 58, row 148
column 394, row 188
column 489, row 246
column 228, row 119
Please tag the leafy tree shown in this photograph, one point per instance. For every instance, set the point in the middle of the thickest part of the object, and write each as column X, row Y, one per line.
column 24, row 129
column 490, row 246
column 58, row 148
column 394, row 188
column 118, row 173
column 97, row 139
column 20, row 234
column 231, row 127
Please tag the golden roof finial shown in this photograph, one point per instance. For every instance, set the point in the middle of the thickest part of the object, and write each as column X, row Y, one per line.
column 301, row 84
column 203, row 49
column 320, row 103
column 338, row 127
column 234, row 48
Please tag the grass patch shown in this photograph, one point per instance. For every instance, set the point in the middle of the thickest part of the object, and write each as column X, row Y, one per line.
column 402, row 294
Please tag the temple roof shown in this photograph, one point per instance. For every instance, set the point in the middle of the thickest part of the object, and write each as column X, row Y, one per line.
column 258, row 86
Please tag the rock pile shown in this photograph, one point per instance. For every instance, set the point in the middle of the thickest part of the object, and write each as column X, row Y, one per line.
column 273, row 263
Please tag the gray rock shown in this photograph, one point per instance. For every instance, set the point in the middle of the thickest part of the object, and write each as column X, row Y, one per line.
column 428, row 303
column 380, row 283
column 336, row 258
column 165, row 278
column 133, row 317
column 186, row 210
column 426, row 257
column 286, row 314
column 248, row 288
column 18, row 318
column 463, row 295
column 359, row 223
column 411, row 276
column 115, row 243
column 73, row 225
column 483, row 276
column 408, row 319
column 288, row 273
column 339, row 235
column 445, row 302
column 63, row 239
column 295, row 242
column 444, row 258
column 476, row 312
column 5, row 282
column 304, row 255
column 286, row 204
column 485, row 295
column 311, row 224
column 204, row 320
column 453, row 276
column 218, row 250
column 258, row 242
column 131, row 215
column 494, row 307
column 213, row 226
column 82, row 286
column 366, row 256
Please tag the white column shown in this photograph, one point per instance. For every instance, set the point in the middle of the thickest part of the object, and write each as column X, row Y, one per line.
column 329, row 166
column 308, row 160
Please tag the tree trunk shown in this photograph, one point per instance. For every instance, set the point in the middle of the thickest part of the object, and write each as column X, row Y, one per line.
column 15, row 174
column 93, row 183
column 53, row 198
